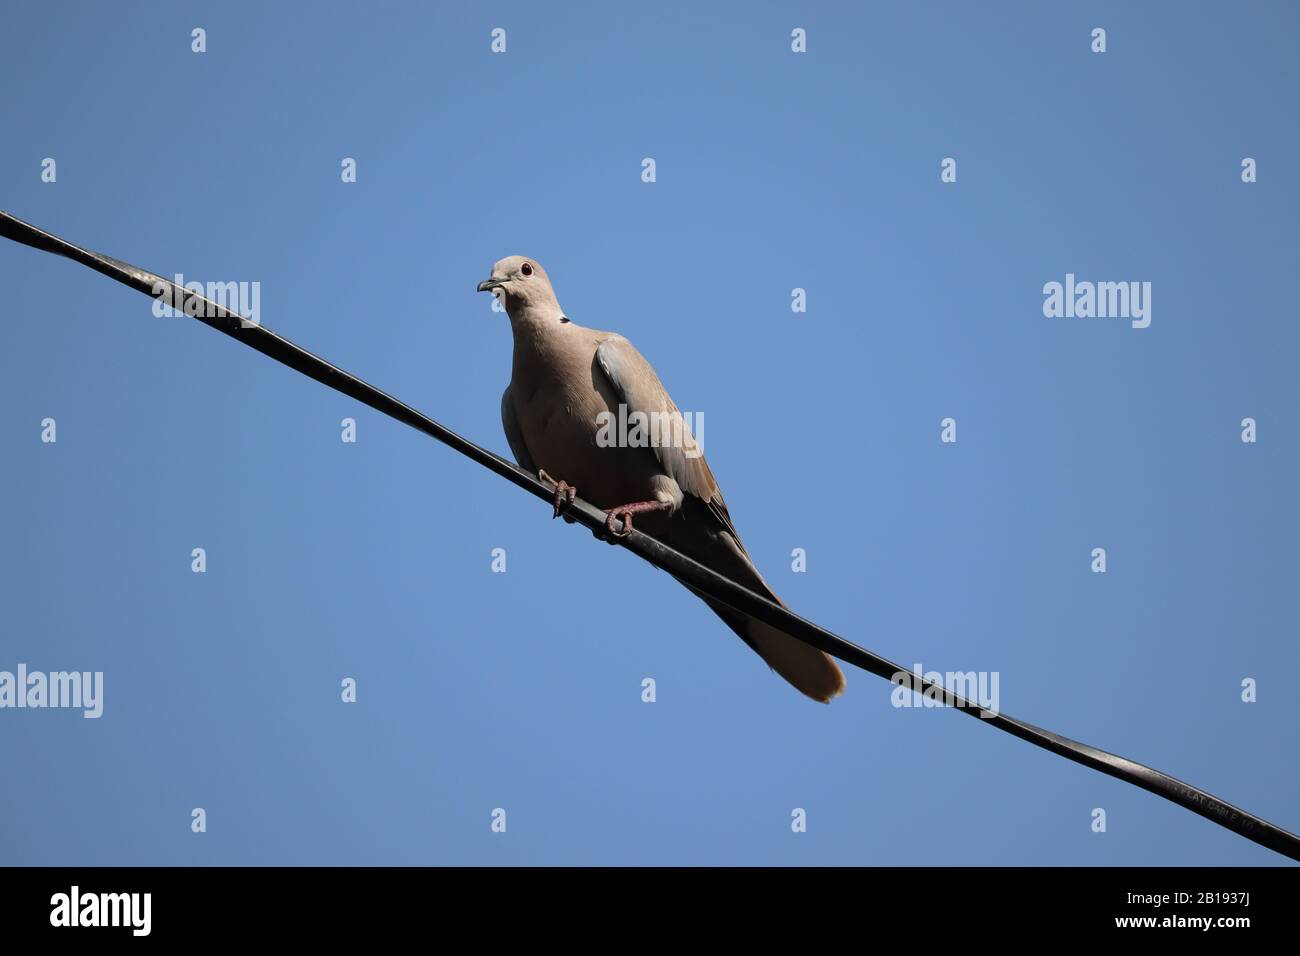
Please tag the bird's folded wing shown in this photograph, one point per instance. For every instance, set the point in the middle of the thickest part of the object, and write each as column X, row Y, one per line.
column 518, row 447
column 680, row 456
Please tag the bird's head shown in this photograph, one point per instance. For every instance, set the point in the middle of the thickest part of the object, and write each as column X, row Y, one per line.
column 523, row 287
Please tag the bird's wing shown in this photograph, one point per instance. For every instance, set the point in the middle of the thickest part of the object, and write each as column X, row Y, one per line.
column 518, row 447
column 637, row 385
column 707, row 534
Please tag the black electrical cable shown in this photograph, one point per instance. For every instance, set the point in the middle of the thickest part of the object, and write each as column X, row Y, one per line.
column 694, row 575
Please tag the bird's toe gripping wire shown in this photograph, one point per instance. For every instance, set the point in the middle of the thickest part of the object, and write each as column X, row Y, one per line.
column 565, row 493
column 624, row 513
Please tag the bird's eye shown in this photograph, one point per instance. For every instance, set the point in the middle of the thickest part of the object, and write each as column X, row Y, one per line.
column 526, row 269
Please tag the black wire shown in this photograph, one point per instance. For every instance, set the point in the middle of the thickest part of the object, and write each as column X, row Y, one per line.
column 696, row 576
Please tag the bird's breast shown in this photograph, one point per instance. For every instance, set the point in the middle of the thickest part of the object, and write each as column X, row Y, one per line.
column 560, row 419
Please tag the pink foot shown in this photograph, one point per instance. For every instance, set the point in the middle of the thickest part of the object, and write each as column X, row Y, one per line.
column 565, row 493
column 625, row 512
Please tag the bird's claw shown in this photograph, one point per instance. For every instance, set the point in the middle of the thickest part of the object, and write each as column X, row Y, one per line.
column 624, row 516
column 625, row 512
column 565, row 493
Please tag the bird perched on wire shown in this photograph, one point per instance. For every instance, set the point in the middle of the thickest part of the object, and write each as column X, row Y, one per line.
column 565, row 382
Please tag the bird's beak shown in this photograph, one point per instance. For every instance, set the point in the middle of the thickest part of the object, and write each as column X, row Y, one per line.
column 487, row 285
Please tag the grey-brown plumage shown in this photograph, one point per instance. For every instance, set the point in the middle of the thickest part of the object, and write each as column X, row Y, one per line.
column 563, row 376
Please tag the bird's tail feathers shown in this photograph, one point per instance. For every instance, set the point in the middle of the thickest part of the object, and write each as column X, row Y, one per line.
column 810, row 671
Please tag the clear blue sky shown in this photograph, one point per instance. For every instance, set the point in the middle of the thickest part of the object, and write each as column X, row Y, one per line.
column 775, row 170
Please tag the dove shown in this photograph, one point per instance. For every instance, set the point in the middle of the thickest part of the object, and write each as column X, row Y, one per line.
column 565, row 380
